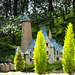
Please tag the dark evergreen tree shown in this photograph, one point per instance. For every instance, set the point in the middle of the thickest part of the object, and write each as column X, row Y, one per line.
column 50, row 8
column 15, row 7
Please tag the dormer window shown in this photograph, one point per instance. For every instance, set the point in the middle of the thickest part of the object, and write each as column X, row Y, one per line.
column 47, row 44
column 57, row 52
column 30, row 53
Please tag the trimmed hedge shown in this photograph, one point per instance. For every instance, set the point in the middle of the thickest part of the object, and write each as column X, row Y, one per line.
column 56, row 66
column 29, row 68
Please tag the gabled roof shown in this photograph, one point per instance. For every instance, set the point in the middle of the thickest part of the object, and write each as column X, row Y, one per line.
column 31, row 47
column 43, row 29
column 60, row 47
column 56, row 45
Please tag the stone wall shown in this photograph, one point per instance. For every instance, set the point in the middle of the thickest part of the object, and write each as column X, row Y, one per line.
column 6, row 67
column 26, row 37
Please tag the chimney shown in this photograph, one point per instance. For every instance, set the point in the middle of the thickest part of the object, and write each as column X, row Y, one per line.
column 50, row 36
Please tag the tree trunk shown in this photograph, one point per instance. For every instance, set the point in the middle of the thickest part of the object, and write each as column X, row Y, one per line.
column 15, row 7
column 40, row 74
column 69, row 73
column 10, row 7
column 34, row 7
column 50, row 25
column 65, row 9
column 26, row 5
column 74, row 6
column 63, row 15
column 6, row 8
column 50, row 8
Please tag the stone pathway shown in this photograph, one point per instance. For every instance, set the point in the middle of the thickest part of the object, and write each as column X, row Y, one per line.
column 23, row 73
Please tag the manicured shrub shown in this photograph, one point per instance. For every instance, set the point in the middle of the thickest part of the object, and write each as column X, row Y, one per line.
column 68, row 57
column 40, row 54
column 19, row 61
column 56, row 66
column 29, row 68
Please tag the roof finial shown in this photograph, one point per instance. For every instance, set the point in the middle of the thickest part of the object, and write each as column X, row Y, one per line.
column 25, row 10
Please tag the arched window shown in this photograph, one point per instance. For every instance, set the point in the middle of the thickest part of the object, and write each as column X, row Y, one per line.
column 30, row 59
column 57, row 52
column 30, row 53
column 47, row 44
column 57, row 59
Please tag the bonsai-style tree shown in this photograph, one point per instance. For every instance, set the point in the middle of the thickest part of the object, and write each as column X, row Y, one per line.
column 40, row 54
column 68, row 54
column 19, row 61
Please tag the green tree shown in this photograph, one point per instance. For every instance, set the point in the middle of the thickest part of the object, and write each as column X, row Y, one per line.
column 19, row 61
column 40, row 54
column 68, row 60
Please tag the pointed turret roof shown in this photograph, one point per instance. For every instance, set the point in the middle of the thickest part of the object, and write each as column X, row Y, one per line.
column 25, row 17
column 21, row 17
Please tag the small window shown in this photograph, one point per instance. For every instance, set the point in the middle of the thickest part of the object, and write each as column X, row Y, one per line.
column 33, row 48
column 47, row 52
column 30, row 53
column 57, row 52
column 24, row 57
column 30, row 59
column 57, row 59
column 47, row 44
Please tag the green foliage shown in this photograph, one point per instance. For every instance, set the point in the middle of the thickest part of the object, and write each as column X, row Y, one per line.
column 39, row 54
column 29, row 68
column 68, row 59
column 19, row 61
column 58, row 32
column 55, row 66
column 6, row 49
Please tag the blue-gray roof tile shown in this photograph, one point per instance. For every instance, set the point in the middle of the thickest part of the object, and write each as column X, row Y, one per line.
column 26, row 18
column 20, row 17
column 31, row 47
column 52, row 43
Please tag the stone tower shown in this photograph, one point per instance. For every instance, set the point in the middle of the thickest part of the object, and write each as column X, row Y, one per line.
column 26, row 37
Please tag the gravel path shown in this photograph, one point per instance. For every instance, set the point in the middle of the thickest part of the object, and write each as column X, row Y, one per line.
column 23, row 73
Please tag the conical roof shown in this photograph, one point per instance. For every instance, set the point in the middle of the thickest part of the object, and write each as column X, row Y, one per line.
column 21, row 17
column 26, row 18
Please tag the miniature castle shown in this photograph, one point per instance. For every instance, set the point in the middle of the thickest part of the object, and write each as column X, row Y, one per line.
column 54, row 50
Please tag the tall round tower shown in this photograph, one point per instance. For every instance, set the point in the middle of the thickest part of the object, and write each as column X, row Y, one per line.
column 26, row 37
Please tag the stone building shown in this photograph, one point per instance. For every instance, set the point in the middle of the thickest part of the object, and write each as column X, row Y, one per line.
column 54, row 50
